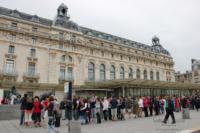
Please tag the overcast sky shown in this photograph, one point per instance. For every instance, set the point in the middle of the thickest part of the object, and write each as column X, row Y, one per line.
column 175, row 22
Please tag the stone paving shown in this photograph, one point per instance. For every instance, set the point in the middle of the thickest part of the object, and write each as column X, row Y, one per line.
column 140, row 125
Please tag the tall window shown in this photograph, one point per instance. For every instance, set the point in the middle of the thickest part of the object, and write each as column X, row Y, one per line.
column 34, row 40
column 130, row 73
column 63, row 58
column 91, row 72
column 157, row 76
column 138, row 73
column 102, row 72
column 121, row 72
column 31, row 68
column 62, row 73
column 69, row 73
column 112, row 72
column 11, row 49
column 69, row 58
column 33, row 52
column 13, row 37
column 145, row 74
column 61, row 46
column 151, row 75
column 9, row 66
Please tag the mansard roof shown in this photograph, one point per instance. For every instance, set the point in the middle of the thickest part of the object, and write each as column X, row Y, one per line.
column 86, row 31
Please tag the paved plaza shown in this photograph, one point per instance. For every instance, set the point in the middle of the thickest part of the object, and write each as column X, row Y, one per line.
column 140, row 125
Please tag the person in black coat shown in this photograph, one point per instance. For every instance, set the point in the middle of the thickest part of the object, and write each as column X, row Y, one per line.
column 22, row 108
column 169, row 110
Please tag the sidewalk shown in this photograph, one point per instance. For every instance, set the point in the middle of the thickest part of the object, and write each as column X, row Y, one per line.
column 140, row 125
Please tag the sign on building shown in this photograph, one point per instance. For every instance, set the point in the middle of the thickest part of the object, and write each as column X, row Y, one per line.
column 66, row 87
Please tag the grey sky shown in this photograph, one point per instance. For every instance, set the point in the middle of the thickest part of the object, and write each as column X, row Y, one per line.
column 175, row 22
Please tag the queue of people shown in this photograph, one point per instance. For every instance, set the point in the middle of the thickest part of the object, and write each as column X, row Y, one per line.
column 95, row 110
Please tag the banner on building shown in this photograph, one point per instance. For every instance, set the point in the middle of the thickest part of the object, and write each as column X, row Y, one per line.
column 195, row 64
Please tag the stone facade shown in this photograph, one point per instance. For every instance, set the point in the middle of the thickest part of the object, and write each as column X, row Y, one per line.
column 38, row 50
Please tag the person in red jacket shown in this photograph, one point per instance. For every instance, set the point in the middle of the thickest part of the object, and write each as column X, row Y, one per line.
column 177, row 104
column 37, row 107
column 146, row 106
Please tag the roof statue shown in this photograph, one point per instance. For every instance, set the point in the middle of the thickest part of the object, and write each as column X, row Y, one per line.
column 62, row 19
column 157, row 47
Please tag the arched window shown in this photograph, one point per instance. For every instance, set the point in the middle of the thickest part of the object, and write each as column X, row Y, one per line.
column 151, row 75
column 91, row 72
column 70, row 59
column 145, row 74
column 157, row 76
column 102, row 72
column 138, row 73
column 130, row 73
column 112, row 72
column 121, row 72
column 63, row 58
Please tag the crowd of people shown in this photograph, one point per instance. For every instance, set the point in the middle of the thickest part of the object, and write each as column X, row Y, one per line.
column 95, row 109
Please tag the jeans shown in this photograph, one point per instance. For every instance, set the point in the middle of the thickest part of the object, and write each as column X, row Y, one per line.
column 51, row 125
column 75, row 114
column 22, row 117
column 93, row 113
column 82, row 119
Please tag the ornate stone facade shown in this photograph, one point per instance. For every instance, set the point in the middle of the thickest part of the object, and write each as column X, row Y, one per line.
column 38, row 50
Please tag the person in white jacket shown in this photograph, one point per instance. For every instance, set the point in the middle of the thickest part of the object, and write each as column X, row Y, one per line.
column 105, row 108
column 140, row 103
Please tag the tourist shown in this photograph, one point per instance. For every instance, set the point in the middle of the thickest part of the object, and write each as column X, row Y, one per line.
column 169, row 110
column 36, row 115
column 113, row 104
column 76, row 107
column 136, row 108
column 156, row 105
column 62, row 109
column 141, row 105
column 22, row 108
column 109, row 109
column 68, row 110
column 44, row 112
column 197, row 103
column 28, row 111
column 83, row 106
column 177, row 104
column 98, row 110
column 51, row 115
column 93, row 107
column 105, row 108
column 88, row 112
column 145, row 106
column 151, row 100
column 129, row 107
column 123, row 110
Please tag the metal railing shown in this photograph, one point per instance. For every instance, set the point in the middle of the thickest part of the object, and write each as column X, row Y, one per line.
column 31, row 75
column 9, row 73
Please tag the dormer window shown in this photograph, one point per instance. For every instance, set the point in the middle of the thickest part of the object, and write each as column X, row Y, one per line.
column 14, row 25
column 34, row 29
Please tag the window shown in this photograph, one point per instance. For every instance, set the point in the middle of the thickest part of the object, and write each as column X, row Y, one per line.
column 121, row 72
column 11, row 49
column 34, row 40
column 157, row 76
column 13, row 37
column 129, row 58
column 112, row 72
column 130, row 73
column 61, row 36
column 121, row 57
column 138, row 73
column 62, row 73
column 70, row 59
column 151, row 75
column 102, row 72
column 112, row 55
column 91, row 51
column 91, row 72
column 33, row 52
column 145, row 74
column 34, row 29
column 61, row 46
column 31, row 69
column 63, row 58
column 14, row 25
column 70, row 73
column 9, row 66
